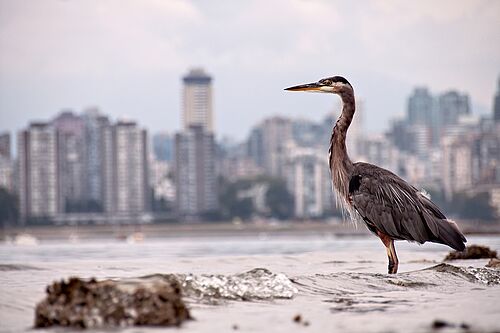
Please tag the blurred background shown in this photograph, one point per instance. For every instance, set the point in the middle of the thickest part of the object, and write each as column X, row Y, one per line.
column 142, row 112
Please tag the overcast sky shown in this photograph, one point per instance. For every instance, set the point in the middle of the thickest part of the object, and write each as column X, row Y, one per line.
column 127, row 57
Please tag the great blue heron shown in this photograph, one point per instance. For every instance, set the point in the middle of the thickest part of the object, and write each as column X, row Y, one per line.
column 390, row 207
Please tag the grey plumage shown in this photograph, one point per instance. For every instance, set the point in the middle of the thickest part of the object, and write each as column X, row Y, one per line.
column 390, row 207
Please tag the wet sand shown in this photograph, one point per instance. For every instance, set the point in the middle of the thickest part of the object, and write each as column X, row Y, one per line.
column 341, row 283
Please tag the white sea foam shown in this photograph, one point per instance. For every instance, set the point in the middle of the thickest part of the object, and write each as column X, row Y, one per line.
column 256, row 284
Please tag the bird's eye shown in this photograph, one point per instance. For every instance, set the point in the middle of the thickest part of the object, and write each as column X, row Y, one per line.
column 326, row 82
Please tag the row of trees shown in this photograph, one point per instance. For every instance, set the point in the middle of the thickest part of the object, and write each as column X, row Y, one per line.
column 466, row 206
column 9, row 208
column 278, row 202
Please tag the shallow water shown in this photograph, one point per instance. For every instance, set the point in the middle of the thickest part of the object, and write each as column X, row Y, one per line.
column 261, row 283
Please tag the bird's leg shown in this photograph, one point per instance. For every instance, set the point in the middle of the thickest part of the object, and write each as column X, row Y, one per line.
column 395, row 261
column 391, row 252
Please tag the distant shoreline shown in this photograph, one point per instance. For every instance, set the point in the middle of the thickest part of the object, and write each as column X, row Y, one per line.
column 179, row 230
column 207, row 229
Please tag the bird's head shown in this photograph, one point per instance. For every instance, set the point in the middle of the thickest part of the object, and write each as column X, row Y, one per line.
column 334, row 84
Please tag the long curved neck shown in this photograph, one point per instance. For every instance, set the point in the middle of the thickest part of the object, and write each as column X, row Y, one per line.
column 340, row 163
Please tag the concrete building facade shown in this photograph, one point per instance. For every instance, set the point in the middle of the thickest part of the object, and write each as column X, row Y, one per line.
column 496, row 104
column 97, row 160
column 129, row 170
column 6, row 163
column 38, row 170
column 5, row 145
column 71, row 167
column 196, row 183
column 197, row 100
column 457, row 166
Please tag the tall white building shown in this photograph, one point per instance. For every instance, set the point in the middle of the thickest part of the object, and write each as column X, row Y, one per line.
column 38, row 181
column 129, row 170
column 97, row 160
column 197, row 100
column 6, row 173
column 6, row 163
column 195, row 170
column 457, row 167
column 70, row 147
column 496, row 104
column 195, row 177
column 5, row 145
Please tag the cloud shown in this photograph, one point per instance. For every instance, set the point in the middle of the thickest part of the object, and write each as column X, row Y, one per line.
column 80, row 37
column 128, row 56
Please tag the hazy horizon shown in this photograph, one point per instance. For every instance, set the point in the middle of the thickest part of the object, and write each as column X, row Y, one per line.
column 128, row 57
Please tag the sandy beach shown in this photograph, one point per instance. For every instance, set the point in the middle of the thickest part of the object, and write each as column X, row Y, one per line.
column 341, row 282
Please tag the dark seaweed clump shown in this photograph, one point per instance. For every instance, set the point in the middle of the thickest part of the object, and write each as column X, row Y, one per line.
column 439, row 324
column 472, row 252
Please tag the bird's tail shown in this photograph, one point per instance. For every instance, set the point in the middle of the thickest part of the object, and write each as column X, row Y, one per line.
column 447, row 232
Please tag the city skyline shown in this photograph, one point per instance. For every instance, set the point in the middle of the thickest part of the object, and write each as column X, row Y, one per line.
column 90, row 165
column 127, row 59
column 80, row 163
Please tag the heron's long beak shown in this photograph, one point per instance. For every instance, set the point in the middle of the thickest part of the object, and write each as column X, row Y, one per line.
column 306, row 87
column 314, row 87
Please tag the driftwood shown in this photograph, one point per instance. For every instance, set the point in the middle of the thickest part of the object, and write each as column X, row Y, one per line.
column 91, row 304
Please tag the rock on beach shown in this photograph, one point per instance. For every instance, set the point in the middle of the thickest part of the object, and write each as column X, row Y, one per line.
column 91, row 304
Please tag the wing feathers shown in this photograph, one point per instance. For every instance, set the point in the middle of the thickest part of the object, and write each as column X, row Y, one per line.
column 397, row 209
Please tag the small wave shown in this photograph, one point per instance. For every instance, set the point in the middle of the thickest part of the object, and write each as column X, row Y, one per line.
column 14, row 267
column 256, row 284
column 442, row 276
column 370, row 304
column 480, row 275
column 371, row 292
column 409, row 284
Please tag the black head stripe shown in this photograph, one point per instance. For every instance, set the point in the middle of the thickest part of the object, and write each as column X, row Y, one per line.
column 334, row 79
column 339, row 79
